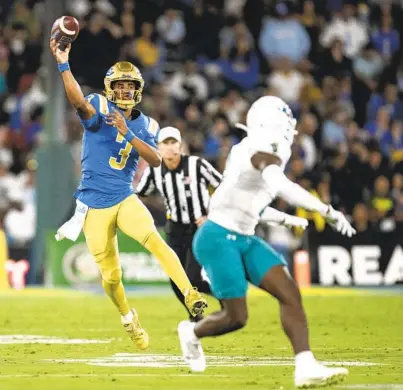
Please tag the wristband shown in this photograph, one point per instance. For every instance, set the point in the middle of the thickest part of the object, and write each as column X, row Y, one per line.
column 63, row 67
column 129, row 136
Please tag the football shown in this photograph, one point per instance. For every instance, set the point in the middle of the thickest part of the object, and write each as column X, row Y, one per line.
column 65, row 30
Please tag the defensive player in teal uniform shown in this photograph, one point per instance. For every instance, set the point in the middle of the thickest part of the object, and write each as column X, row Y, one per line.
column 116, row 134
column 227, row 248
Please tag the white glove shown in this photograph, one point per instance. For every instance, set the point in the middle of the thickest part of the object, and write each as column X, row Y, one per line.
column 339, row 222
column 290, row 221
column 293, row 221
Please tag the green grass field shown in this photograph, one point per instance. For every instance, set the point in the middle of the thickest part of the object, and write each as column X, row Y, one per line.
column 365, row 330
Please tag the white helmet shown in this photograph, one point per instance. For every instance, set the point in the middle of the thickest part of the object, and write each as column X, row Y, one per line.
column 270, row 117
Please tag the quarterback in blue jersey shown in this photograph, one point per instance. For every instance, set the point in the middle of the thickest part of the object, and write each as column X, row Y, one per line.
column 116, row 134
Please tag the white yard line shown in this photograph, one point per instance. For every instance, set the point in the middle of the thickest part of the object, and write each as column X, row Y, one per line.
column 42, row 330
column 107, row 330
column 108, row 375
column 373, row 386
column 174, row 361
column 355, row 350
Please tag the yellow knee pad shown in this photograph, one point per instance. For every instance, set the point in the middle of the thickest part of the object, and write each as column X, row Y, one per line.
column 112, row 276
column 109, row 267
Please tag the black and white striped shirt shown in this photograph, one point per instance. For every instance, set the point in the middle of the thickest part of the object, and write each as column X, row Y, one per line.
column 185, row 189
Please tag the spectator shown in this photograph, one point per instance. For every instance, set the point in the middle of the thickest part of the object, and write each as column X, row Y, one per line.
column 78, row 8
column 226, row 145
column 172, row 30
column 241, row 69
column 230, row 35
column 391, row 142
column 195, row 141
column 347, row 28
column 33, row 129
column 378, row 165
column 284, row 37
column 312, row 23
column 23, row 57
column 188, row 85
column 389, row 100
column 397, row 186
column 147, row 52
column 345, row 96
column 158, row 103
column 368, row 66
column 232, row 106
column 397, row 194
column 105, row 7
column 382, row 201
column 193, row 117
column 22, row 15
column 361, row 219
column 201, row 40
column 233, row 8
column 315, row 217
column 20, row 224
column 334, row 62
column 307, row 127
column 171, row 27
column 287, row 82
column 10, row 193
column 21, row 105
column 377, row 128
column 218, row 131
column 329, row 94
column 333, row 130
column 127, row 18
column 386, row 39
column 296, row 168
column 96, row 48
column 399, row 208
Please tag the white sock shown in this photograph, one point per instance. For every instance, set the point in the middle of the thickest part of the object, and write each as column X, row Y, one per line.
column 127, row 318
column 304, row 359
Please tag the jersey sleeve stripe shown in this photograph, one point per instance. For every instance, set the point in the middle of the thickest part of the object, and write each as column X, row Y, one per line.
column 153, row 126
column 103, row 105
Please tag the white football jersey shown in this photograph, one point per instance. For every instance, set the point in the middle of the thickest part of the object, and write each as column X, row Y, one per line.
column 243, row 194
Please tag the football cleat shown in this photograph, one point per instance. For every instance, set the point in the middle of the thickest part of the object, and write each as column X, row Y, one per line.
column 137, row 334
column 194, row 301
column 319, row 375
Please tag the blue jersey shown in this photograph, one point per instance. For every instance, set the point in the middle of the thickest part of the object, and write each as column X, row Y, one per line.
column 108, row 161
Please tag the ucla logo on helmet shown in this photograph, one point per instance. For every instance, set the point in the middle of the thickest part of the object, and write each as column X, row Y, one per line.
column 128, row 76
column 109, row 72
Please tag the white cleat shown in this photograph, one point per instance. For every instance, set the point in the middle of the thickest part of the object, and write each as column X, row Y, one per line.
column 319, row 375
column 192, row 349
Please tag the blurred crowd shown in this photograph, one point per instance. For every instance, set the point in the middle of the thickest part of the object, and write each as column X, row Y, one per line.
column 22, row 100
column 337, row 63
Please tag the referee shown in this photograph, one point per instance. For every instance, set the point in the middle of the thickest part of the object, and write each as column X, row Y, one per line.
column 184, row 183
